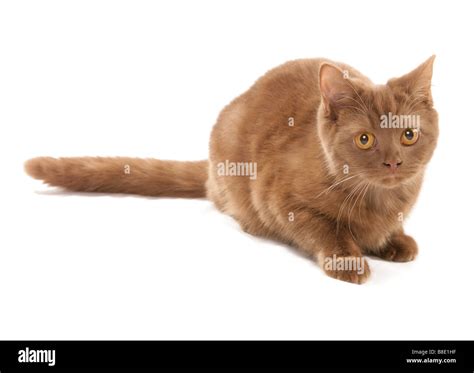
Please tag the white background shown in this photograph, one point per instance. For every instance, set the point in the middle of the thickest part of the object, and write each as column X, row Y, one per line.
column 146, row 78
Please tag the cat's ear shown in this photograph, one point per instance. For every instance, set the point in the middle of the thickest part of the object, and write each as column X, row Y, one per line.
column 416, row 83
column 335, row 87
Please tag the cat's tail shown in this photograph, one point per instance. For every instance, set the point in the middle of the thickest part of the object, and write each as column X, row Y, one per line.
column 147, row 177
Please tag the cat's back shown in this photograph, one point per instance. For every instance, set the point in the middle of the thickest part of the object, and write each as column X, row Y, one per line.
column 275, row 95
column 295, row 81
column 278, row 110
column 286, row 88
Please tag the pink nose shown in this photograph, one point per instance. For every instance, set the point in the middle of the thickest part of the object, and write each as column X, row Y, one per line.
column 392, row 165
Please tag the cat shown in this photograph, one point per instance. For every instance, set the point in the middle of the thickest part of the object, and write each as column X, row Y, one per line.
column 301, row 157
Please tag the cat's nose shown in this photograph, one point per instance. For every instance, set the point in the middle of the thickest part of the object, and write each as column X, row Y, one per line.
column 392, row 165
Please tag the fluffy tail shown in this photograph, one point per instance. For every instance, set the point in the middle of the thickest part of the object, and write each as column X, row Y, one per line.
column 147, row 177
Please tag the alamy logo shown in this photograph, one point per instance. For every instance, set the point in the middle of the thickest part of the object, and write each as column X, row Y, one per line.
column 228, row 168
column 391, row 120
column 348, row 263
column 37, row 356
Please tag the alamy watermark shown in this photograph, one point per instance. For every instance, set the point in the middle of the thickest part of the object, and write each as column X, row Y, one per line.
column 228, row 168
column 391, row 120
column 344, row 263
column 28, row 355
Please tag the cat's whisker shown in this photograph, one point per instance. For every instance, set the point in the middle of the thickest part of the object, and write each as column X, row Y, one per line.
column 416, row 98
column 363, row 113
column 336, row 183
column 363, row 197
column 360, row 98
column 357, row 194
column 339, row 182
column 361, row 108
column 344, row 203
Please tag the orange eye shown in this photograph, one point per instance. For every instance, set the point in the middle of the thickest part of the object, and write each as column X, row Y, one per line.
column 365, row 140
column 409, row 136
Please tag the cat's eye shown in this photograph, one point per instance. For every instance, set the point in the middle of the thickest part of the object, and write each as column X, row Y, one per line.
column 364, row 140
column 410, row 136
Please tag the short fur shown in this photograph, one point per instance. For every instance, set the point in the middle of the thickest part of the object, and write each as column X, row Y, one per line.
column 315, row 189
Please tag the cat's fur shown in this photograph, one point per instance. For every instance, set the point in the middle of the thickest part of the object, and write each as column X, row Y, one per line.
column 315, row 189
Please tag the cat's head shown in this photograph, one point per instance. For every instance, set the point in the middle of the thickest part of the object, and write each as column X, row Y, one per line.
column 385, row 134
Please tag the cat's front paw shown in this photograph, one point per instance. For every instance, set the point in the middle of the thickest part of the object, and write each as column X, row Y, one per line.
column 400, row 248
column 354, row 269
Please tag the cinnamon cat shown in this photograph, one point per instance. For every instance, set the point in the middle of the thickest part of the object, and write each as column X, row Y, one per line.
column 305, row 156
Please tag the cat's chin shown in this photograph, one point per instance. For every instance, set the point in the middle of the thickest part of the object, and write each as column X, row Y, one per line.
column 393, row 181
column 390, row 181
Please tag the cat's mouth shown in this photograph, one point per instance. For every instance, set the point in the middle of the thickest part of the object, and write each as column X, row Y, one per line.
column 392, row 180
